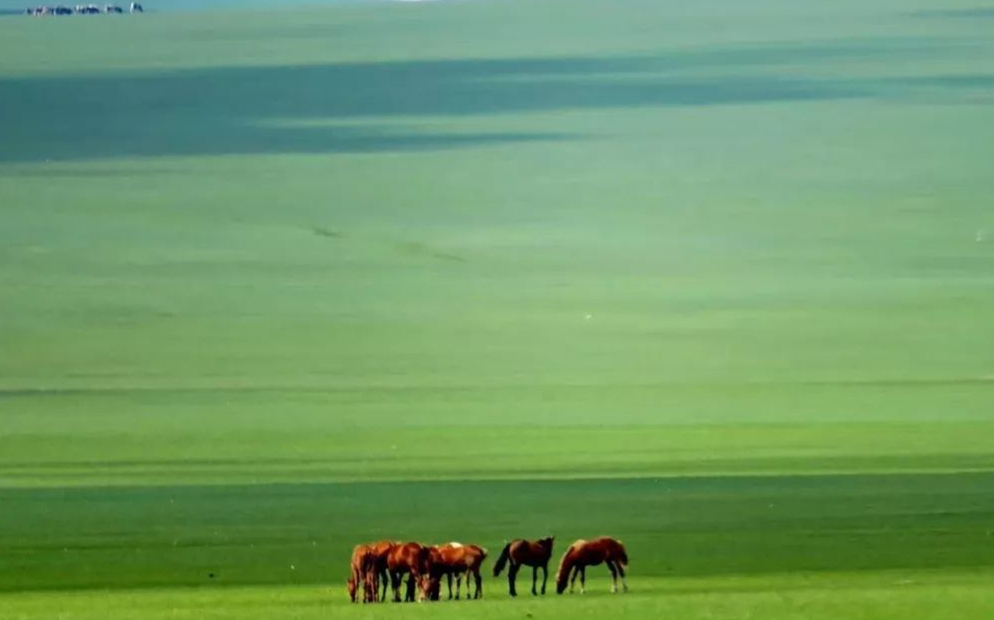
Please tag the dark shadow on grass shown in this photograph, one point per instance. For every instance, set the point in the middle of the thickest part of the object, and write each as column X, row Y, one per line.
column 354, row 107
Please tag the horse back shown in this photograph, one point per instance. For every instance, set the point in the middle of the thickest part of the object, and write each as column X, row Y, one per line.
column 405, row 556
column 610, row 549
column 530, row 552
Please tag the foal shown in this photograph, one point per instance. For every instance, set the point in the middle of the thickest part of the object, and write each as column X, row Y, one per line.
column 525, row 553
column 582, row 554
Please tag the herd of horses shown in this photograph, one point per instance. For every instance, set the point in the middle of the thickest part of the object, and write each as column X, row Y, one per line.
column 82, row 9
column 377, row 565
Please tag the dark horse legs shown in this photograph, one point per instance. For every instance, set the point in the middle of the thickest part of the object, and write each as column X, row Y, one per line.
column 581, row 572
column 478, row 579
column 395, row 579
column 617, row 571
column 621, row 573
column 512, row 573
column 409, row 597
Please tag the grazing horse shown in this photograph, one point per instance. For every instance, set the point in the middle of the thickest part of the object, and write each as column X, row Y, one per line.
column 520, row 553
column 361, row 572
column 410, row 559
column 583, row 553
column 379, row 551
column 453, row 559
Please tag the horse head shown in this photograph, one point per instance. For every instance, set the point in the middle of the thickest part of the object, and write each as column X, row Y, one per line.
column 429, row 587
column 352, row 586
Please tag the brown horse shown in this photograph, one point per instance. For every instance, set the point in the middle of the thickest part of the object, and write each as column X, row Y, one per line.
column 379, row 551
column 411, row 559
column 525, row 553
column 582, row 554
column 361, row 571
column 453, row 559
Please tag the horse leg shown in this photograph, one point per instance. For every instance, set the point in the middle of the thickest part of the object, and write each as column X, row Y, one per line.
column 409, row 597
column 534, row 579
column 512, row 572
column 479, row 584
column 385, row 580
column 614, row 577
column 621, row 571
column 459, row 584
column 545, row 577
column 448, row 577
column 395, row 584
column 572, row 582
column 374, row 579
column 583, row 580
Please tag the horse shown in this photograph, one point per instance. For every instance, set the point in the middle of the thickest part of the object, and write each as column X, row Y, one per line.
column 361, row 569
column 522, row 552
column 582, row 554
column 453, row 559
column 410, row 559
column 379, row 551
column 137, row 8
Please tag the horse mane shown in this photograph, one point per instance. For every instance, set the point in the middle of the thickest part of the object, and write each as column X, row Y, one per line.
column 567, row 561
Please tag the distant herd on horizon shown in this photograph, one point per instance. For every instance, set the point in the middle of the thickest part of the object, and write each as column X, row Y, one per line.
column 378, row 564
column 82, row 9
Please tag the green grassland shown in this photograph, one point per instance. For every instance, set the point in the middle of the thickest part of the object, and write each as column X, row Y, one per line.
column 716, row 279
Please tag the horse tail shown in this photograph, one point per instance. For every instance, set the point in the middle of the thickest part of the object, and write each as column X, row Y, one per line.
column 502, row 560
column 622, row 555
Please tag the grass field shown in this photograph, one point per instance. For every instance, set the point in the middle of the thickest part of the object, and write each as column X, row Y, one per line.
column 716, row 279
